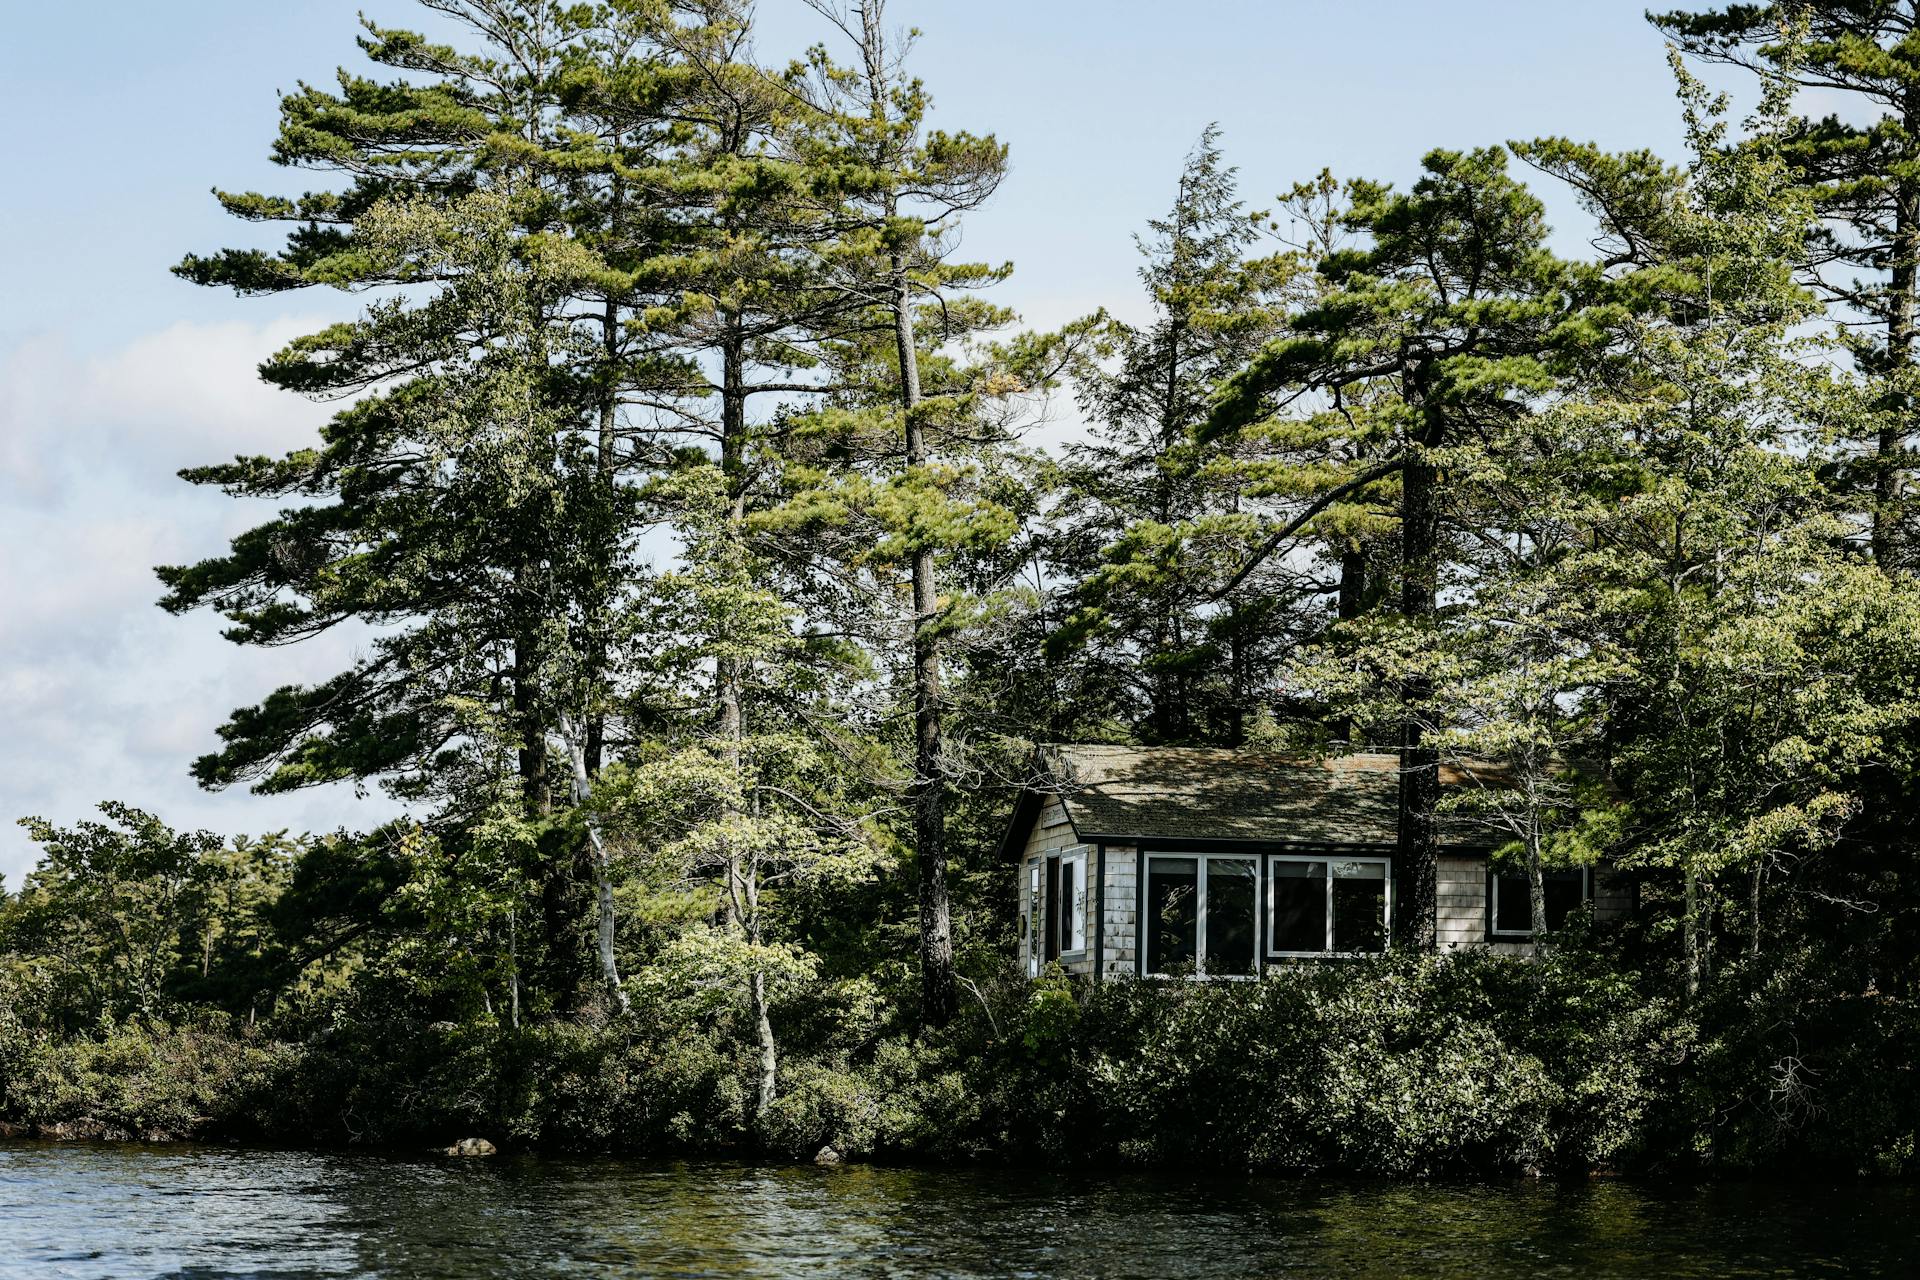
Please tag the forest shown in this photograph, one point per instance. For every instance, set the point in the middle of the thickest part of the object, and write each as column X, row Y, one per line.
column 688, row 488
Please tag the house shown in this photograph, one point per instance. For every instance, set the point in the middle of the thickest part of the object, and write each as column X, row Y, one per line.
column 1219, row 862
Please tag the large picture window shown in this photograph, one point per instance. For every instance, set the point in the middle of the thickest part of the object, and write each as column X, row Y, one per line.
column 1328, row 906
column 1202, row 915
column 1510, row 902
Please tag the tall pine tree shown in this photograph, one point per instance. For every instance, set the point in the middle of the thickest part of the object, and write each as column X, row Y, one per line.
column 1863, row 165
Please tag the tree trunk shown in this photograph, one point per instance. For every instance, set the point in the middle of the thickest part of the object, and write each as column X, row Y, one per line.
column 1709, row 903
column 536, row 804
column 1536, row 890
column 1690, row 933
column 1890, row 446
column 743, row 887
column 1347, row 606
column 513, row 967
column 757, row 1002
column 604, row 466
column 1239, row 677
column 561, row 966
column 602, row 867
column 769, row 1052
column 937, row 984
column 1419, row 762
column 1753, row 910
column 938, row 992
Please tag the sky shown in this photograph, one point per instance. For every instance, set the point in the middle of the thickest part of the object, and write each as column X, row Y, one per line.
column 114, row 374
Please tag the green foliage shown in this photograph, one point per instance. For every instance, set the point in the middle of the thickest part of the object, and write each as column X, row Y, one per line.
column 147, row 1083
column 127, row 920
column 1150, row 527
column 1395, row 1066
column 714, row 602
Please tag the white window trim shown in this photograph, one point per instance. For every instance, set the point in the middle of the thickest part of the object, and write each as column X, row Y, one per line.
column 1033, row 921
column 1075, row 856
column 1273, row 904
column 1526, row 934
column 1199, row 973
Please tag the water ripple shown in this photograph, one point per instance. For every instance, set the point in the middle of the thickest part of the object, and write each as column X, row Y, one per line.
column 120, row 1213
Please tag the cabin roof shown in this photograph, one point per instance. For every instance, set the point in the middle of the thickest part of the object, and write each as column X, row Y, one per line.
column 1219, row 793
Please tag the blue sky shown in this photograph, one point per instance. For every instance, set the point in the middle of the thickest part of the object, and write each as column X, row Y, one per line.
column 113, row 374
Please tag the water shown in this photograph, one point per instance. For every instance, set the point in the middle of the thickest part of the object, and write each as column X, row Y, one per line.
column 202, row 1213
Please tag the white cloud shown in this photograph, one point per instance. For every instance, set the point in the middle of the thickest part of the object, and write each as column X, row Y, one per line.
column 102, row 695
column 185, row 395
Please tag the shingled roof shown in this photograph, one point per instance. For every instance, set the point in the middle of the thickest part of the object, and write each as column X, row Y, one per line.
column 1214, row 793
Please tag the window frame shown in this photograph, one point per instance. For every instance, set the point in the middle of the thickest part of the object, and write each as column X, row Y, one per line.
column 1271, row 918
column 1497, row 934
column 1073, row 944
column 1033, row 923
column 1147, row 858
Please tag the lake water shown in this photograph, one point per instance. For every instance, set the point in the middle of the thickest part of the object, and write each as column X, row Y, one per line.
column 86, row 1211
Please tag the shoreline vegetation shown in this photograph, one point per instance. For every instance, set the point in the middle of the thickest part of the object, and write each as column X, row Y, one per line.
column 1471, row 1065
column 715, row 599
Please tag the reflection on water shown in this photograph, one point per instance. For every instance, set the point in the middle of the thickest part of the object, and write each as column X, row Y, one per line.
column 127, row 1212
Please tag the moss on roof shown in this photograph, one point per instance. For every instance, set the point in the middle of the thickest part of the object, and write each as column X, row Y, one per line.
column 1217, row 793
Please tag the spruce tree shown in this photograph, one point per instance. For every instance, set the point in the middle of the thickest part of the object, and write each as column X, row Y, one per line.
column 1151, row 526
column 1754, row 694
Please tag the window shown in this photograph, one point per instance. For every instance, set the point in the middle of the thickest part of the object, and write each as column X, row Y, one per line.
column 1073, row 902
column 1066, row 904
column 1032, row 926
column 1201, row 916
column 1173, row 914
column 1328, row 906
column 1229, row 892
column 1510, row 905
column 1052, row 912
column 1299, row 906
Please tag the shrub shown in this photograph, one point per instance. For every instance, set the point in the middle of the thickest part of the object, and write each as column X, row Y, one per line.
column 153, row 1084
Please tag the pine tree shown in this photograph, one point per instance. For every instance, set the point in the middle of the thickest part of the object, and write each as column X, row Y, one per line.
column 1446, row 323
column 470, row 501
column 910, row 189
column 756, row 295
column 1863, row 164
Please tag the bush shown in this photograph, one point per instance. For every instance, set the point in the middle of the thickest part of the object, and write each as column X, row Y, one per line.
column 1469, row 1063
column 151, row 1084
column 1397, row 1066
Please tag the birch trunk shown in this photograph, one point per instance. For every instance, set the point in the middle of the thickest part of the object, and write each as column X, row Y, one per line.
column 602, row 869
column 743, row 889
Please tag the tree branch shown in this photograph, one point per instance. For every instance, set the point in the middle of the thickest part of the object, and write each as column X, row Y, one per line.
column 1314, row 508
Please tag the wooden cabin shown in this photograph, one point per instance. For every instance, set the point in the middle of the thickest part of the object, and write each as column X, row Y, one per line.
column 1213, row 862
